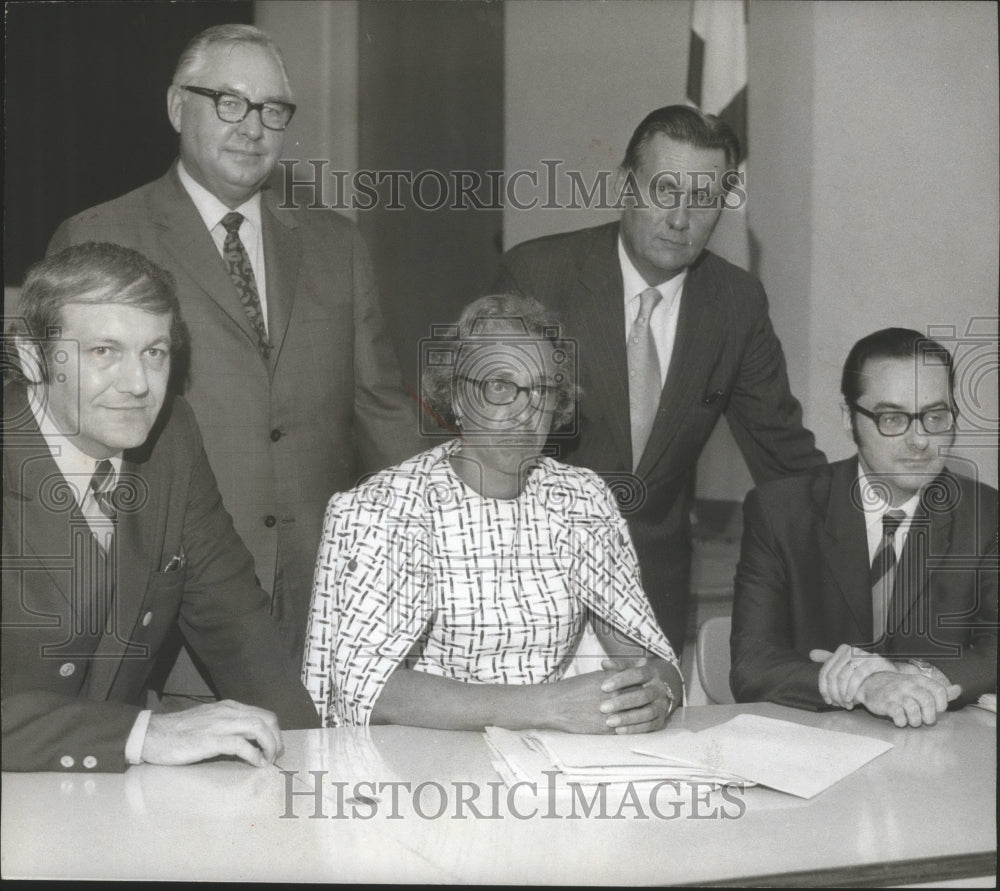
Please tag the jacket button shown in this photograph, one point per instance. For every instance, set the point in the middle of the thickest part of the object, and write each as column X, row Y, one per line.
column 275, row 435
column 90, row 762
column 67, row 761
column 270, row 520
column 146, row 619
column 66, row 669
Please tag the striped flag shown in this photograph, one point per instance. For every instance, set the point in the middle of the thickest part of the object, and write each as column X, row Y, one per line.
column 717, row 84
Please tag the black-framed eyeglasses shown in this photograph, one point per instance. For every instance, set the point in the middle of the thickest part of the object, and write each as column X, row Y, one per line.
column 500, row 391
column 232, row 109
column 896, row 423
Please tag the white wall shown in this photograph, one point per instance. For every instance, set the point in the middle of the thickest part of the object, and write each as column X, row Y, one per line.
column 905, row 192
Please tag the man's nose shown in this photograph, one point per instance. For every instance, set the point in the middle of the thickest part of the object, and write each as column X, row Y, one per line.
column 679, row 215
column 132, row 377
column 252, row 127
column 916, row 436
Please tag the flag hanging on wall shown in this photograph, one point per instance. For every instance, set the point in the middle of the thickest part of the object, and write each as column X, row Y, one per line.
column 717, row 84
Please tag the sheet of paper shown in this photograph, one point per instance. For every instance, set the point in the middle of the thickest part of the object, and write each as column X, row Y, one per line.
column 802, row 761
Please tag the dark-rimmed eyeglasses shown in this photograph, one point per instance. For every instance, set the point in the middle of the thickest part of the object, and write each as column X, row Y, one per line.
column 896, row 423
column 232, row 108
column 500, row 391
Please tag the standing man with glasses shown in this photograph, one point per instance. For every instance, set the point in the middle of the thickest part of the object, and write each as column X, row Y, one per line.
column 873, row 581
column 291, row 374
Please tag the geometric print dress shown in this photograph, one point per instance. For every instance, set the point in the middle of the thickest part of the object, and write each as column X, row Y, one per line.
column 415, row 563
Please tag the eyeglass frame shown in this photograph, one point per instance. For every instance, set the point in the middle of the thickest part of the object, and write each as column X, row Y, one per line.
column 547, row 389
column 216, row 95
column 910, row 418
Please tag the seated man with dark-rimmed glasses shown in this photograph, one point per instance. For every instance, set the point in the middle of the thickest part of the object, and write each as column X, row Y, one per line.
column 873, row 582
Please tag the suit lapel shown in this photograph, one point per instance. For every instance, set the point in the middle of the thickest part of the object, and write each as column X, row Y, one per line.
column 696, row 347
column 598, row 320
column 845, row 546
column 183, row 235
column 282, row 255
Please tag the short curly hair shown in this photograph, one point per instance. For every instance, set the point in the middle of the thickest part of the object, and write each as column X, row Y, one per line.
column 489, row 320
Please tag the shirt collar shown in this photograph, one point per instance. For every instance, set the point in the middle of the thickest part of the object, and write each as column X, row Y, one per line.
column 77, row 467
column 875, row 506
column 635, row 284
column 210, row 208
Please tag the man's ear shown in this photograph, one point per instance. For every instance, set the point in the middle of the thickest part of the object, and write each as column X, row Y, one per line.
column 30, row 358
column 175, row 102
column 846, row 419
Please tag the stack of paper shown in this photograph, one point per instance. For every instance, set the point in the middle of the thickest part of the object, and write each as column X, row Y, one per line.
column 748, row 750
column 531, row 755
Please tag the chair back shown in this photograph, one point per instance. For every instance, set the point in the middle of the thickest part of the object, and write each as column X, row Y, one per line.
column 713, row 659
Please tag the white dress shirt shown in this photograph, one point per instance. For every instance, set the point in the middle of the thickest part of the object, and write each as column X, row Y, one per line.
column 875, row 507
column 663, row 320
column 212, row 210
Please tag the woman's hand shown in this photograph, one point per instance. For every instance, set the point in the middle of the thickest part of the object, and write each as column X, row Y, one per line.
column 620, row 699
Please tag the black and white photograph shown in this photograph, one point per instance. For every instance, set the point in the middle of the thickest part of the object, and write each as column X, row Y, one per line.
column 501, row 442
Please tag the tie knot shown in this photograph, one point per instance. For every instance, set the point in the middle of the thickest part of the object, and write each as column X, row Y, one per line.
column 891, row 521
column 103, row 478
column 648, row 300
column 231, row 221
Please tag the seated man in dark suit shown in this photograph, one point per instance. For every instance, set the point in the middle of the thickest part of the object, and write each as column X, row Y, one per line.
column 114, row 531
column 874, row 582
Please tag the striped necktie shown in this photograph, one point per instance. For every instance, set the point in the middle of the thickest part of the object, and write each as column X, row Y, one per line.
column 644, row 381
column 241, row 272
column 883, row 572
column 102, row 486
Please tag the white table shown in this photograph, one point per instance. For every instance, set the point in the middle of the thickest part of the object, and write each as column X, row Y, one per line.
column 924, row 811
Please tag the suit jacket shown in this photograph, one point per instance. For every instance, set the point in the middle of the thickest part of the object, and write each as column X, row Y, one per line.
column 726, row 359
column 282, row 436
column 803, row 583
column 72, row 679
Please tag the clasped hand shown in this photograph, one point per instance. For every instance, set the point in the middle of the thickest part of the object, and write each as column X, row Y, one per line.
column 852, row 676
column 621, row 698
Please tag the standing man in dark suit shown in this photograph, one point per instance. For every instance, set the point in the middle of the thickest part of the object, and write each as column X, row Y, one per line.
column 292, row 376
column 114, row 532
column 873, row 581
column 669, row 337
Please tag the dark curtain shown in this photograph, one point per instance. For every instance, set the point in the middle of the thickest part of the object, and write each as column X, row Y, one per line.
column 431, row 98
column 85, row 116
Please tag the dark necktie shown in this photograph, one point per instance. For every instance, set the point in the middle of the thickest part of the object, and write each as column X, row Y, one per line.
column 241, row 272
column 883, row 572
column 644, row 383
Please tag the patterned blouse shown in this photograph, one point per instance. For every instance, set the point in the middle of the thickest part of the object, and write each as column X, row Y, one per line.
column 482, row 590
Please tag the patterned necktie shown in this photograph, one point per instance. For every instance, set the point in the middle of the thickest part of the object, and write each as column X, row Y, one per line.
column 883, row 571
column 644, row 382
column 241, row 272
column 102, row 485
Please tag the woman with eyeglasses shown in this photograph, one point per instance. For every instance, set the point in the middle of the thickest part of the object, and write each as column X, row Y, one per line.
column 452, row 590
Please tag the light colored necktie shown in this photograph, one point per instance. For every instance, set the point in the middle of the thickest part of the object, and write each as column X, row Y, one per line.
column 644, row 382
column 241, row 272
column 883, row 572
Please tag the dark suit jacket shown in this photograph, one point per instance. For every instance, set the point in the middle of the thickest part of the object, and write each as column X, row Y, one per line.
column 802, row 583
column 281, row 437
column 726, row 359
column 73, row 685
